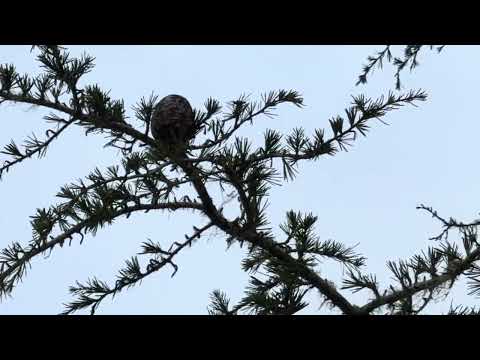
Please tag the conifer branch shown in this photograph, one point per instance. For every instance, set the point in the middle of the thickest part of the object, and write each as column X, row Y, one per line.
column 410, row 56
column 431, row 284
column 91, row 294
column 14, row 260
column 33, row 146
column 282, row 272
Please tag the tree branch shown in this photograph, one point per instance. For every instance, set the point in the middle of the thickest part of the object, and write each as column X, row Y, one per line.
column 8, row 277
column 128, row 278
column 432, row 283
column 38, row 149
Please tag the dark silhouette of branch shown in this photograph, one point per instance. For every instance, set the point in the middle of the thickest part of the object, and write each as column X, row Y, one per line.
column 12, row 267
column 410, row 55
column 94, row 292
column 282, row 271
column 429, row 284
column 33, row 147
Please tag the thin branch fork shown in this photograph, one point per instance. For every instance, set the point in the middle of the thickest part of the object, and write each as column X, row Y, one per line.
column 176, row 248
column 256, row 158
column 254, row 238
column 447, row 224
column 154, row 266
column 42, row 247
column 234, row 128
column 321, row 284
column 429, row 284
column 39, row 149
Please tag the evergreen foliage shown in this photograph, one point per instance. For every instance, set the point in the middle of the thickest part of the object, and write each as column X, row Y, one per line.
column 409, row 59
column 150, row 177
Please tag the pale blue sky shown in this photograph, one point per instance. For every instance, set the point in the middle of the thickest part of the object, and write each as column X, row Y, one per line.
column 366, row 196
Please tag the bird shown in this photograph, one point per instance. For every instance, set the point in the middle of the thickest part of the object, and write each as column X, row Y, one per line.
column 172, row 121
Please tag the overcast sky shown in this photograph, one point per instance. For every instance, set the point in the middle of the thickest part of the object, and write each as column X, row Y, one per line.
column 366, row 196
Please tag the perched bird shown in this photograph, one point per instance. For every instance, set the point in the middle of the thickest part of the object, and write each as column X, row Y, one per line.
column 172, row 120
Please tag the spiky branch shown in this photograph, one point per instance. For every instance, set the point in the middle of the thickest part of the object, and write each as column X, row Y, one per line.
column 282, row 271
column 91, row 294
column 410, row 56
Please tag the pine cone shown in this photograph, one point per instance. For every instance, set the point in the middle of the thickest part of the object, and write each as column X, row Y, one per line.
column 172, row 120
